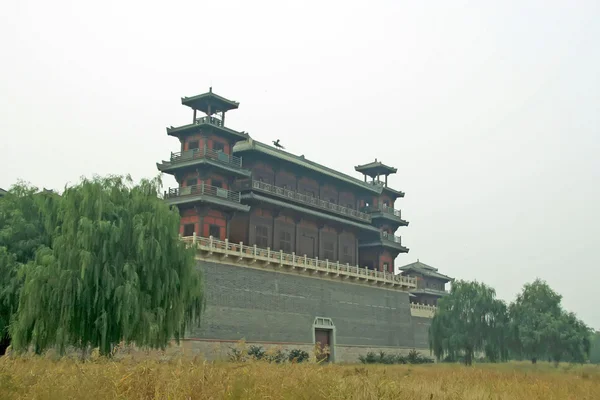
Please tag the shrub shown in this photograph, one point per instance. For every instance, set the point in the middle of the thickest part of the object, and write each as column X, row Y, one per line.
column 277, row 356
column 413, row 357
column 298, row 356
column 256, row 352
column 371, row 358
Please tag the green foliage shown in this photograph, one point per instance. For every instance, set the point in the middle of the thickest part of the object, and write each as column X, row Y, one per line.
column 256, row 352
column 298, row 356
column 540, row 328
column 107, row 267
column 413, row 357
column 22, row 233
column 469, row 320
column 277, row 356
column 595, row 347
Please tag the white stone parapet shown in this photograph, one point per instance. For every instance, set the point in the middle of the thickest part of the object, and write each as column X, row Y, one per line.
column 266, row 257
column 422, row 310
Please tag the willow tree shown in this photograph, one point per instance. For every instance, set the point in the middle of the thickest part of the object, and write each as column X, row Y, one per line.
column 115, row 271
column 469, row 320
column 534, row 317
column 22, row 233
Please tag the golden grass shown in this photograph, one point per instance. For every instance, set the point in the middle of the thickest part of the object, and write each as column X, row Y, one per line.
column 39, row 378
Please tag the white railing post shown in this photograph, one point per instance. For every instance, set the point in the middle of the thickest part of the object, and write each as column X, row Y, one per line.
column 194, row 238
column 293, row 258
column 280, row 257
column 241, row 249
column 337, row 266
column 254, row 251
column 317, row 262
column 269, row 253
column 305, row 260
column 226, row 245
column 210, row 241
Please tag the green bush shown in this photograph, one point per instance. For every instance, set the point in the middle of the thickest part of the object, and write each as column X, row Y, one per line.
column 297, row 355
column 413, row 357
column 256, row 352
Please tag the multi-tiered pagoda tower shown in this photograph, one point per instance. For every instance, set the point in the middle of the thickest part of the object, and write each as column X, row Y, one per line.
column 236, row 188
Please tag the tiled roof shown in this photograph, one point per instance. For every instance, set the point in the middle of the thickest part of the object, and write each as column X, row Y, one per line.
column 252, row 144
column 424, row 269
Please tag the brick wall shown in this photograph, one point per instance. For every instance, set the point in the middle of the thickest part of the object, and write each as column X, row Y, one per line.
column 261, row 305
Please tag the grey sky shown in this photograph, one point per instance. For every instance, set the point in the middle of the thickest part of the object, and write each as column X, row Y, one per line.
column 489, row 110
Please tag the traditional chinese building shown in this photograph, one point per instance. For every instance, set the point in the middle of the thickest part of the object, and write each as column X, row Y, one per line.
column 233, row 187
column 431, row 285
column 292, row 252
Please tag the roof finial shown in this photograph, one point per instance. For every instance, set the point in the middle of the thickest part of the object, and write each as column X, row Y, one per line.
column 417, row 260
column 210, row 89
column 375, row 159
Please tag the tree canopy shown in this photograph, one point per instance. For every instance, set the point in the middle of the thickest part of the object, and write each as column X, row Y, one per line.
column 100, row 264
column 540, row 328
column 595, row 348
column 469, row 320
column 21, row 234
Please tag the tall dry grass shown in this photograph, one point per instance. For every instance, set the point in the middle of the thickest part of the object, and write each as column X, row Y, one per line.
column 39, row 378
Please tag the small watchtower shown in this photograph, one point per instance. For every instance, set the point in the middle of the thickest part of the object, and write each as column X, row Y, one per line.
column 375, row 170
column 210, row 104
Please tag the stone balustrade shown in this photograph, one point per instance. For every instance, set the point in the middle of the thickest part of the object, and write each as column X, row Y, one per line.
column 422, row 310
column 267, row 258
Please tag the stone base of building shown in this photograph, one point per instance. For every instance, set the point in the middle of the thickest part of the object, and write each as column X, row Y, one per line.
column 221, row 350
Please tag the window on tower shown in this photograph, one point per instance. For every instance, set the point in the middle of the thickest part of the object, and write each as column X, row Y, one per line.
column 218, row 146
column 214, row 231
column 188, row 229
column 285, row 241
column 194, row 144
column 328, row 250
column 191, row 182
column 262, row 236
column 346, row 256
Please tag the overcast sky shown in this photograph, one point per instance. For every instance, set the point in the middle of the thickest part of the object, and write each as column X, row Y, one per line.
column 489, row 110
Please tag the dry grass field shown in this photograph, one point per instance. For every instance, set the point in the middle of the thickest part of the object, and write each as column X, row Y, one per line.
column 39, row 378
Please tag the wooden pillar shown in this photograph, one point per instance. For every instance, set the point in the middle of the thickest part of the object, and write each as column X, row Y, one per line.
column 337, row 251
column 227, row 224
column 318, row 246
column 223, row 118
column 386, row 180
column 276, row 213
column 297, row 220
column 194, row 120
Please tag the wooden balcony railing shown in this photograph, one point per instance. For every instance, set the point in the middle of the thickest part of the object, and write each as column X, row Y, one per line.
column 203, row 189
column 241, row 251
column 391, row 211
column 391, row 238
column 383, row 209
column 206, row 153
column 209, row 120
column 306, row 199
